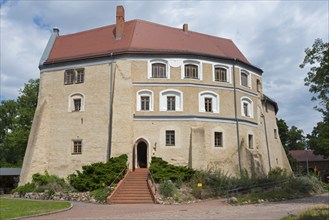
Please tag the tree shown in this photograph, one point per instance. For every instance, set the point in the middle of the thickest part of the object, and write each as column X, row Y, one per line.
column 291, row 139
column 16, row 120
column 318, row 76
column 318, row 81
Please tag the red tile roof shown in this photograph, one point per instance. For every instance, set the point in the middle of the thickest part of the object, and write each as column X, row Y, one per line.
column 303, row 155
column 140, row 37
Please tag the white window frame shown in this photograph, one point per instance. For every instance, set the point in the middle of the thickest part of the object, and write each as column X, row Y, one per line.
column 215, row 101
column 250, row 103
column 149, row 68
column 178, row 99
column 228, row 73
column 249, row 84
column 193, row 62
column 145, row 92
column 71, row 102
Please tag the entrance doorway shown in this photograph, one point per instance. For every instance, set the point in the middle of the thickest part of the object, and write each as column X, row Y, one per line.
column 142, row 154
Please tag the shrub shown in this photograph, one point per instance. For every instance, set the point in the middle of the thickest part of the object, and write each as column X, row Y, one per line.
column 26, row 188
column 162, row 170
column 101, row 194
column 167, row 188
column 98, row 175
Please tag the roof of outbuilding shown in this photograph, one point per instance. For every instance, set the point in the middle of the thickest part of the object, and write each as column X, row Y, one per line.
column 141, row 37
column 10, row 171
column 303, row 155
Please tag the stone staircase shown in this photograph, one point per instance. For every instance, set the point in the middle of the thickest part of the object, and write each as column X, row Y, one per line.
column 134, row 188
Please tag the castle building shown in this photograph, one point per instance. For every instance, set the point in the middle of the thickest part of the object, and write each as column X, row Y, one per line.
column 144, row 89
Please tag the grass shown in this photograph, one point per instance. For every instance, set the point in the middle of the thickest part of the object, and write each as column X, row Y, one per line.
column 11, row 208
column 315, row 213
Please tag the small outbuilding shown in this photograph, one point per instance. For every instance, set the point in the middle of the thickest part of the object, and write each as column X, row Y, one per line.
column 9, row 178
column 308, row 162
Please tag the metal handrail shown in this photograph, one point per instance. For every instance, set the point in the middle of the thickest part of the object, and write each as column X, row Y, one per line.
column 127, row 165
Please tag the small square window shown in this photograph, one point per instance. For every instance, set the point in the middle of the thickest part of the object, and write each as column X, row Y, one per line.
column 218, row 139
column 77, row 147
column 170, row 138
column 250, row 141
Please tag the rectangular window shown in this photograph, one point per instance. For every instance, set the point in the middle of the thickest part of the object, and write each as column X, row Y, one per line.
column 244, row 79
column 191, row 71
column 145, row 103
column 208, row 104
column 250, row 141
column 69, row 77
column 218, row 139
column 77, row 146
column 220, row 75
column 159, row 70
column 275, row 134
column 171, row 103
column 245, row 109
column 80, row 76
column 77, row 105
column 170, row 138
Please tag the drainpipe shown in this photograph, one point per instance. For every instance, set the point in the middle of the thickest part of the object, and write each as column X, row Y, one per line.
column 112, row 65
column 266, row 138
column 236, row 117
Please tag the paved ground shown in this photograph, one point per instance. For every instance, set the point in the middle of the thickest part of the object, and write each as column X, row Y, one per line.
column 214, row 209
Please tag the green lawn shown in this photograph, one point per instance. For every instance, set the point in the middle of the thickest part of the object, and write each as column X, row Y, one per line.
column 315, row 213
column 11, row 208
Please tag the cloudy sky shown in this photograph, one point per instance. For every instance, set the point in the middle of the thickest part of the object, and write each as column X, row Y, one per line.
column 271, row 34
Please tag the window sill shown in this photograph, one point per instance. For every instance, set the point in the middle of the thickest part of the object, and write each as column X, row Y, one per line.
column 76, row 153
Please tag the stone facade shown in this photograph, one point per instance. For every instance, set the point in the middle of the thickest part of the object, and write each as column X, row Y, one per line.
column 112, row 119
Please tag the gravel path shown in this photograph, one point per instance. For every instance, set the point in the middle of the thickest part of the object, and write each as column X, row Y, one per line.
column 214, row 209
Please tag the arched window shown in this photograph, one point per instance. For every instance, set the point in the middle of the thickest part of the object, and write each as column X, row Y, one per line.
column 144, row 100
column 158, row 69
column 221, row 74
column 208, row 102
column 245, row 79
column 76, row 102
column 247, row 109
column 171, row 100
column 191, row 70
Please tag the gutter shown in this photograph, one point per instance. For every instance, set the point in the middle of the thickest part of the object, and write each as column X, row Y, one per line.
column 112, row 72
column 236, row 117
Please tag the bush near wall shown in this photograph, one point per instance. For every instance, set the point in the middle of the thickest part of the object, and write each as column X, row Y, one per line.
column 99, row 175
column 161, row 170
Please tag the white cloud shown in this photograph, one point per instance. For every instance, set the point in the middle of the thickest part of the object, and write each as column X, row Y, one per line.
column 271, row 34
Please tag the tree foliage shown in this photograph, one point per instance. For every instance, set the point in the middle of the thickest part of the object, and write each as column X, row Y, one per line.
column 291, row 138
column 317, row 79
column 16, row 118
column 318, row 76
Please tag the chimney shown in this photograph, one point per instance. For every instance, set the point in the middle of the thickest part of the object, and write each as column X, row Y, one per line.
column 120, row 22
column 56, row 31
column 185, row 28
